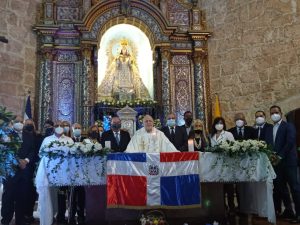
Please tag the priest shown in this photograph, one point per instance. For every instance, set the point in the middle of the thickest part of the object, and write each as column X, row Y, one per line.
column 149, row 139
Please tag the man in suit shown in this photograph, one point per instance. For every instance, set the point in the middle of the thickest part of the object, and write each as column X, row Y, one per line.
column 78, row 198
column 261, row 128
column 282, row 137
column 175, row 134
column 188, row 120
column 17, row 189
column 118, row 138
column 241, row 131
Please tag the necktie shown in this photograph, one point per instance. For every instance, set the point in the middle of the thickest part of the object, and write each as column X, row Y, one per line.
column 259, row 132
column 172, row 134
column 117, row 138
column 240, row 134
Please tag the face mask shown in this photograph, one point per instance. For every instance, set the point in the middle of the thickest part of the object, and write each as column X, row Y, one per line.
column 171, row 123
column 188, row 121
column 66, row 129
column 198, row 131
column 219, row 126
column 239, row 123
column 94, row 135
column 59, row 130
column 260, row 120
column 29, row 127
column 275, row 117
column 49, row 131
column 116, row 126
column 77, row 132
column 100, row 133
column 18, row 126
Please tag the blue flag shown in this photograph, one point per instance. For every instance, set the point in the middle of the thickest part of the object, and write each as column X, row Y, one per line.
column 27, row 114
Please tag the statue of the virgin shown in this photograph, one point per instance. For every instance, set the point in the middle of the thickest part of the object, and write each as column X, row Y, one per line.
column 122, row 80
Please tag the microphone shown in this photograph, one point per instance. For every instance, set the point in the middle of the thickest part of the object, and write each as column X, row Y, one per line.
column 3, row 39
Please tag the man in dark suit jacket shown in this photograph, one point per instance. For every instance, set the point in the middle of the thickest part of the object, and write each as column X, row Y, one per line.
column 241, row 131
column 17, row 189
column 177, row 135
column 188, row 120
column 261, row 126
column 118, row 138
column 282, row 137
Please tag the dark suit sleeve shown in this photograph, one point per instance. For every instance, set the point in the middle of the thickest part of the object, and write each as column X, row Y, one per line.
column 290, row 140
column 184, row 146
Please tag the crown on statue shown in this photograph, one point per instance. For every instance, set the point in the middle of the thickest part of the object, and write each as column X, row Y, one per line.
column 124, row 42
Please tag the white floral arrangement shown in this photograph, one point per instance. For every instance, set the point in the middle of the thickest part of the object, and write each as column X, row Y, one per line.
column 85, row 148
column 238, row 148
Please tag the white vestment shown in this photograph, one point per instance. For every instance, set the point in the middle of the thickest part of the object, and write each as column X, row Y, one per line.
column 154, row 141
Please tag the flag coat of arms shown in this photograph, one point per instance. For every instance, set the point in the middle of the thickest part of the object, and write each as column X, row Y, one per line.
column 167, row 179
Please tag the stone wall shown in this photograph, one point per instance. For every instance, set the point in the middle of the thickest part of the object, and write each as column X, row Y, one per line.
column 254, row 54
column 18, row 57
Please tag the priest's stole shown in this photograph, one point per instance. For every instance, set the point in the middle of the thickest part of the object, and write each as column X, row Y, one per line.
column 144, row 180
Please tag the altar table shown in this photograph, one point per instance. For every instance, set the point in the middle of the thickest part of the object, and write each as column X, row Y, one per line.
column 213, row 167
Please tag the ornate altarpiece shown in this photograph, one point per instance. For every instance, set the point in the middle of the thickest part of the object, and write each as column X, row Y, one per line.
column 69, row 33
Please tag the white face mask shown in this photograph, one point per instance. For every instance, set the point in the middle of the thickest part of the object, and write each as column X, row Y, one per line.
column 239, row 123
column 275, row 117
column 18, row 126
column 59, row 130
column 77, row 132
column 219, row 126
column 260, row 120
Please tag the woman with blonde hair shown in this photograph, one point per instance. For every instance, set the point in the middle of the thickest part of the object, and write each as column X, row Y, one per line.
column 199, row 136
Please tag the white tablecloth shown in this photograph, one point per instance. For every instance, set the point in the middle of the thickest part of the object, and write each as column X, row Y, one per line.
column 256, row 197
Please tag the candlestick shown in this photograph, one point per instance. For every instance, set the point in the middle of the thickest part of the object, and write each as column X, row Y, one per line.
column 191, row 145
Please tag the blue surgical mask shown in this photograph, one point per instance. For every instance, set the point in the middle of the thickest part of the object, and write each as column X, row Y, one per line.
column 171, row 123
column 77, row 132
column 66, row 129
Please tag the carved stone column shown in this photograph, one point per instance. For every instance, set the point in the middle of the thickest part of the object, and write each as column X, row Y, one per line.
column 198, row 87
column 199, row 84
column 45, row 83
column 165, row 58
column 88, row 87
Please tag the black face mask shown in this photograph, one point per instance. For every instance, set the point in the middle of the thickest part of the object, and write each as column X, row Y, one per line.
column 29, row 128
column 49, row 131
column 188, row 121
column 116, row 126
column 94, row 135
column 198, row 131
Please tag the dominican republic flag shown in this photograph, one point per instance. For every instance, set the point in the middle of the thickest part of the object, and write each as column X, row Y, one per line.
column 167, row 179
column 27, row 113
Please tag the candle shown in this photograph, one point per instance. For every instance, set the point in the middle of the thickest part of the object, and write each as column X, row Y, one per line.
column 191, row 145
column 107, row 144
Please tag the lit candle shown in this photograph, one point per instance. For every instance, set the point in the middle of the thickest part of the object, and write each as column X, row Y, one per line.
column 191, row 145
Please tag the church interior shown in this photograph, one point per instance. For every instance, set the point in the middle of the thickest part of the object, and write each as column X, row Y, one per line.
column 83, row 60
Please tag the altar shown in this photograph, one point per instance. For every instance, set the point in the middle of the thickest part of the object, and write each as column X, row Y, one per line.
column 214, row 169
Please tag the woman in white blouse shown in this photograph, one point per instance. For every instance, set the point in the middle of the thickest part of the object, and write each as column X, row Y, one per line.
column 219, row 132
